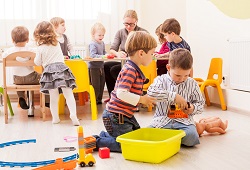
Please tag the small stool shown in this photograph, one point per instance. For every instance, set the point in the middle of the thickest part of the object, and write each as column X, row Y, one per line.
column 104, row 152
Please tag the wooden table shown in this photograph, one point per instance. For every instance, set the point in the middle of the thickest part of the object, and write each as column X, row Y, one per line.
column 122, row 60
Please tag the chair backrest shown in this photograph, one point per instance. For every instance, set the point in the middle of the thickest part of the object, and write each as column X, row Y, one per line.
column 79, row 69
column 215, row 70
column 150, row 73
column 21, row 58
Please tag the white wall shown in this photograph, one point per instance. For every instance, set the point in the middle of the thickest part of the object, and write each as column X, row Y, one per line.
column 204, row 27
column 155, row 12
column 207, row 30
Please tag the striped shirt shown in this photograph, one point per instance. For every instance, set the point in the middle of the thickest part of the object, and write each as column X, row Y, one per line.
column 131, row 79
column 182, row 44
column 165, row 90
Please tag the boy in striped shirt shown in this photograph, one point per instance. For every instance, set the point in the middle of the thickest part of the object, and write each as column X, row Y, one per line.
column 176, row 87
column 118, row 117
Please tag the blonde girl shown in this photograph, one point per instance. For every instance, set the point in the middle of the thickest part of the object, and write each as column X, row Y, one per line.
column 56, row 74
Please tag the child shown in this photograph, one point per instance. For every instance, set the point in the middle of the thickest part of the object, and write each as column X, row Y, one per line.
column 96, row 68
column 118, row 117
column 66, row 46
column 161, row 64
column 176, row 87
column 56, row 74
column 22, row 75
column 171, row 29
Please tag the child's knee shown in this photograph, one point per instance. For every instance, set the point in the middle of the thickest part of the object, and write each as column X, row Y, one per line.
column 191, row 139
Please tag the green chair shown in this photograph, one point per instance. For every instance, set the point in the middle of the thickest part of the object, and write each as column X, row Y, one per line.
column 9, row 104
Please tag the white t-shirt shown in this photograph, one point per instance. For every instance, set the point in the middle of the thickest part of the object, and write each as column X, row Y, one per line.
column 19, row 71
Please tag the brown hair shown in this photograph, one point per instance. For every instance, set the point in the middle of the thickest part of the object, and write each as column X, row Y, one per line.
column 171, row 25
column 45, row 34
column 160, row 35
column 20, row 34
column 180, row 58
column 56, row 21
column 131, row 14
column 139, row 40
column 97, row 26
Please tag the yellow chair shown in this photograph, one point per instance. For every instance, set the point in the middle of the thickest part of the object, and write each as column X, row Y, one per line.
column 10, row 61
column 214, row 79
column 150, row 73
column 79, row 69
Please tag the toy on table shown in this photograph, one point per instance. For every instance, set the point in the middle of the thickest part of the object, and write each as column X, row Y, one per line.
column 109, row 56
column 72, row 57
column 211, row 125
column 84, row 159
column 175, row 112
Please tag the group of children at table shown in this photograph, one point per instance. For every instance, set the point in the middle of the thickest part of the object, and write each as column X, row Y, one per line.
column 174, row 85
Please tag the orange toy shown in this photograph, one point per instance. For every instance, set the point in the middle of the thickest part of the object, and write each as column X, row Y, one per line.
column 59, row 164
column 175, row 112
column 211, row 125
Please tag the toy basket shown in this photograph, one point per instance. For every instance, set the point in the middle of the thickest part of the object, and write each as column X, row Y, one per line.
column 151, row 145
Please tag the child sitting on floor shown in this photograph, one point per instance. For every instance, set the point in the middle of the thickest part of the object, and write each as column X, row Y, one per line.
column 118, row 117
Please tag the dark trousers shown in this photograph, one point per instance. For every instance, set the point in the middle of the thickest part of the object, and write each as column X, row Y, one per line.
column 115, row 129
column 111, row 69
column 97, row 79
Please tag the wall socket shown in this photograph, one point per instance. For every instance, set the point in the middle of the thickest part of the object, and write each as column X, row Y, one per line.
column 225, row 80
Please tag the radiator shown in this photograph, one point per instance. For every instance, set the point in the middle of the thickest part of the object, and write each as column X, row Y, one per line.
column 80, row 51
column 239, row 59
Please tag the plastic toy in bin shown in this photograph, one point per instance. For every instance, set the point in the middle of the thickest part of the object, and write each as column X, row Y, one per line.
column 152, row 145
column 175, row 112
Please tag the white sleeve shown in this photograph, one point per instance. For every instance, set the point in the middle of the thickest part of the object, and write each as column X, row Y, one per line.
column 128, row 97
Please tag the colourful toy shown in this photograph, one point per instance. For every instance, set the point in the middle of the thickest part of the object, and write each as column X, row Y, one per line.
column 70, row 138
column 175, row 112
column 104, row 152
column 64, row 149
column 75, row 57
column 110, row 56
column 59, row 164
column 29, row 164
column 83, row 159
column 89, row 144
column 211, row 125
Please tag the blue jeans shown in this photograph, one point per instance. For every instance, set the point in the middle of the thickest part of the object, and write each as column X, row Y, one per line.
column 191, row 138
column 114, row 128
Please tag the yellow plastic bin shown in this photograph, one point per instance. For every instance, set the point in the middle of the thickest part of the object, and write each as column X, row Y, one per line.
column 151, row 145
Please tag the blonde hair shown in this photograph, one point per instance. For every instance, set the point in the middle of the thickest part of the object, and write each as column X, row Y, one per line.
column 139, row 40
column 20, row 34
column 97, row 26
column 56, row 21
column 45, row 34
column 131, row 14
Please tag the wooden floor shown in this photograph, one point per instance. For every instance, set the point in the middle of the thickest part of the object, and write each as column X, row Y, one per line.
column 230, row 151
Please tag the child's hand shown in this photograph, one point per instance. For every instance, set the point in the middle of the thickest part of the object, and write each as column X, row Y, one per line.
column 189, row 109
column 181, row 102
column 147, row 100
column 121, row 54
